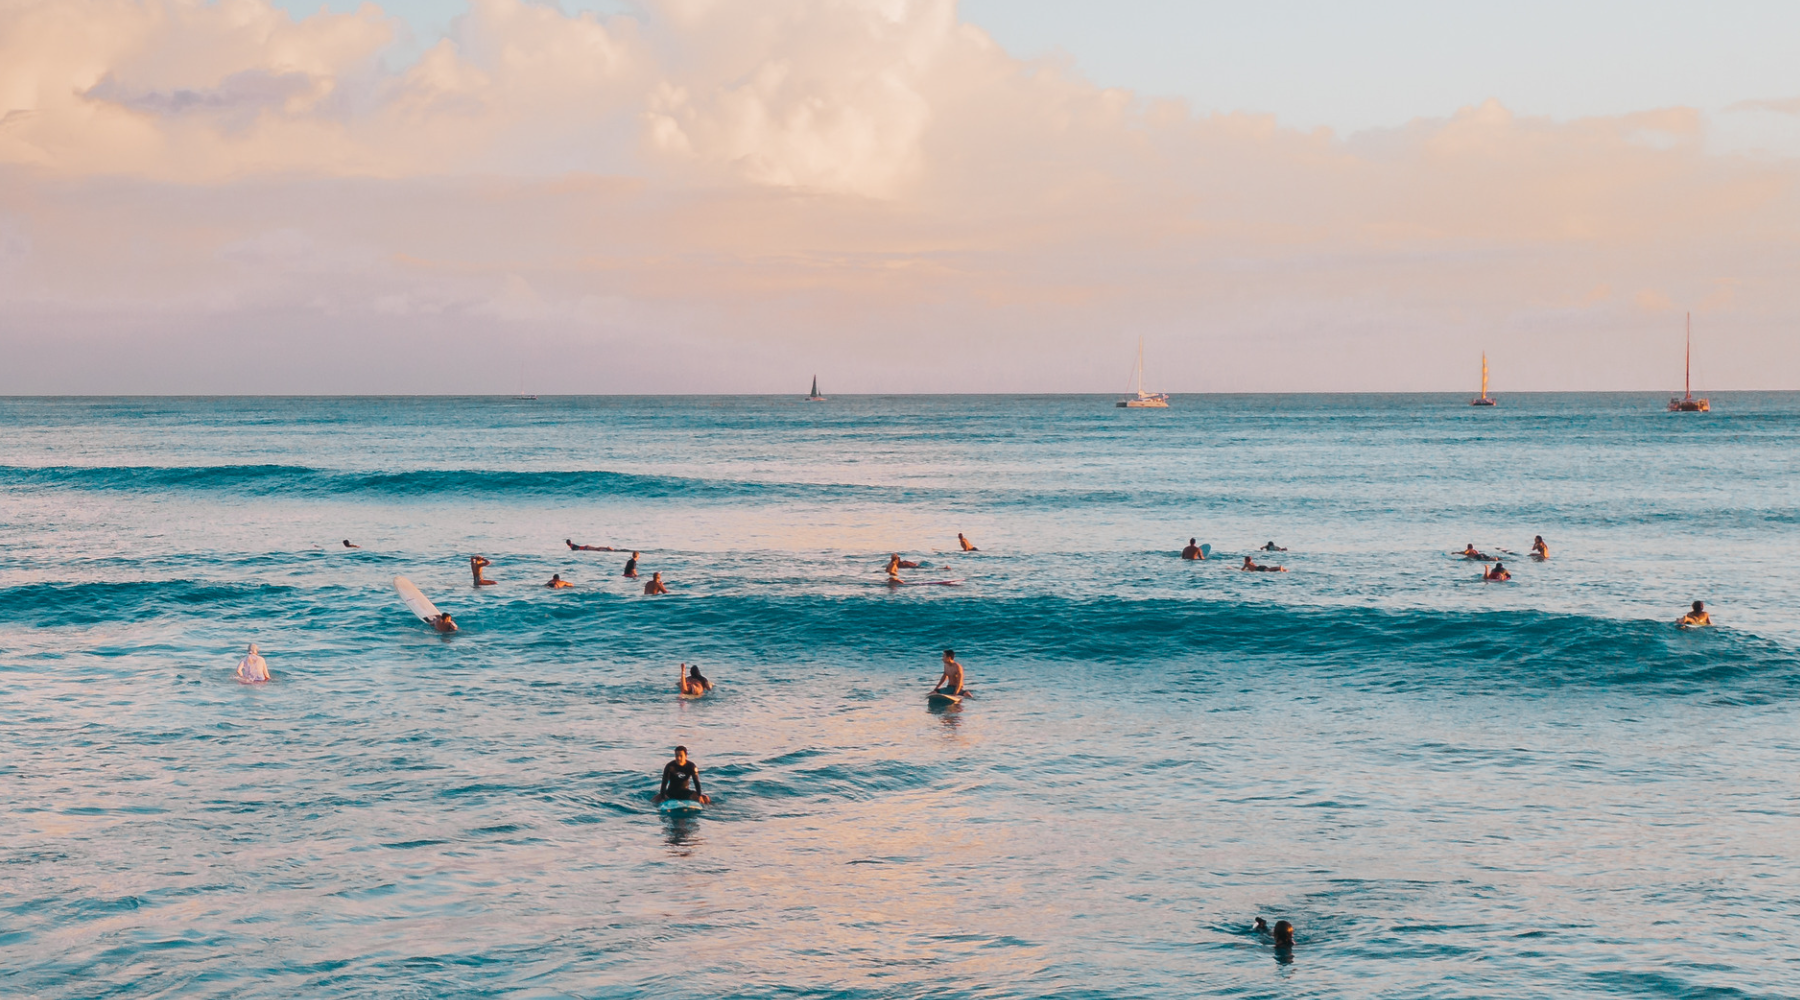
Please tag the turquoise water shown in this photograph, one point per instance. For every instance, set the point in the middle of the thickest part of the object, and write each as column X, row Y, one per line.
column 1453, row 789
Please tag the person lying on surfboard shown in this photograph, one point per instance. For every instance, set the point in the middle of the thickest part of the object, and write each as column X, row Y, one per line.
column 475, row 564
column 631, row 567
column 557, row 582
column 443, row 623
column 675, row 777
column 1474, row 553
column 1497, row 572
column 966, row 545
column 1192, row 551
column 952, row 680
column 347, row 545
column 691, row 683
column 1539, row 550
column 1698, row 616
column 895, row 562
column 1252, row 566
column 588, row 548
column 1272, row 547
column 655, row 586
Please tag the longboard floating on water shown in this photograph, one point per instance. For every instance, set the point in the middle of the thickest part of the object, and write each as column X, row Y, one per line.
column 416, row 602
column 926, row 583
column 680, row 806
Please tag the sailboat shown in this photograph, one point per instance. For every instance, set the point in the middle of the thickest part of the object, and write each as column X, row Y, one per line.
column 1159, row 400
column 1687, row 403
column 1483, row 399
column 814, row 397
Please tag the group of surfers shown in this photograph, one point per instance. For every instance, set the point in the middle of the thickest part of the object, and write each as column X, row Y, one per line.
column 655, row 586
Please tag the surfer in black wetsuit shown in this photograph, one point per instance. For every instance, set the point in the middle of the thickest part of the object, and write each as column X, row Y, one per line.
column 631, row 567
column 675, row 778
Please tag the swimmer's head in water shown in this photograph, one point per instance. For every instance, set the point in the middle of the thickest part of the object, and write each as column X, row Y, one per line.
column 1261, row 926
column 1284, row 934
column 1699, row 606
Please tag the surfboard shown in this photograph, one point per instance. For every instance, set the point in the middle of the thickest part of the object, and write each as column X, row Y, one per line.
column 1206, row 551
column 415, row 601
column 931, row 583
column 680, row 807
column 938, row 699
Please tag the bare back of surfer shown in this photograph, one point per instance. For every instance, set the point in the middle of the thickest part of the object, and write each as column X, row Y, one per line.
column 1497, row 573
column 1693, row 618
column 655, row 586
column 952, row 680
column 676, row 776
column 967, row 546
column 476, row 563
column 1192, row 551
column 1473, row 553
column 1252, row 566
column 557, row 582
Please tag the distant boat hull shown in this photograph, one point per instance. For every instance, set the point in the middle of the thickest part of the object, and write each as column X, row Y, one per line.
column 1482, row 402
column 1148, row 403
column 1689, row 405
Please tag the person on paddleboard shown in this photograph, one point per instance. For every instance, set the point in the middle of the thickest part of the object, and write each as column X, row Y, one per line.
column 952, row 680
column 676, row 776
column 557, row 582
column 631, row 567
column 476, row 562
column 443, row 623
column 252, row 669
column 1698, row 616
column 655, row 586
column 692, row 682
column 1192, row 551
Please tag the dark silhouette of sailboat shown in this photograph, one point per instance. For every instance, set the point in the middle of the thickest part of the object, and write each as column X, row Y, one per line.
column 814, row 396
column 1687, row 403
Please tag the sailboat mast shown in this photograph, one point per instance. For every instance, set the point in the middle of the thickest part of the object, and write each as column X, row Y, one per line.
column 1140, row 366
column 1483, row 374
column 1687, row 367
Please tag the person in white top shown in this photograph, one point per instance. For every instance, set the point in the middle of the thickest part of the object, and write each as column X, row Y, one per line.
column 252, row 669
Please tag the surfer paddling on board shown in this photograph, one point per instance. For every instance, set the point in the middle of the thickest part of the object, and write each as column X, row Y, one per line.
column 952, row 680
column 587, row 548
column 631, row 567
column 1252, row 566
column 347, row 545
column 1192, row 551
column 557, row 582
column 1272, row 547
column 1698, row 616
column 655, row 586
column 675, row 778
column 1497, row 572
column 475, row 564
column 1539, row 550
column 443, row 623
column 252, row 669
column 691, row 683
column 967, row 546
column 1471, row 552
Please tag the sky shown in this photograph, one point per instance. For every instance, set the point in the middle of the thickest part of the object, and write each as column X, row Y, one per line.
column 897, row 195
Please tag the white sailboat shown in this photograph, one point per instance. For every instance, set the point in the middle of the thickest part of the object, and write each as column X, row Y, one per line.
column 1483, row 399
column 1157, row 400
column 1687, row 403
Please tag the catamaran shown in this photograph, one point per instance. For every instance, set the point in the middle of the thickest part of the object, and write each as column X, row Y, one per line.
column 814, row 396
column 1687, row 403
column 1483, row 399
column 1144, row 399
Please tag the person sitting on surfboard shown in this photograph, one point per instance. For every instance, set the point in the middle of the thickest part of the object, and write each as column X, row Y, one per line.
column 691, row 683
column 252, row 669
column 1252, row 566
column 1539, row 550
column 1192, row 551
column 895, row 562
column 557, row 582
column 655, row 586
column 1497, row 572
column 443, row 623
column 952, row 681
column 588, row 548
column 347, row 545
column 1272, row 547
column 675, row 777
column 966, row 546
column 1698, row 616
column 631, row 567
column 1474, row 553
column 475, row 564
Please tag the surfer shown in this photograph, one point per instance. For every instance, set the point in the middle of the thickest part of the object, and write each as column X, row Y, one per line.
column 1284, row 934
column 587, row 548
column 1192, row 551
column 1272, row 547
column 347, row 545
column 1471, row 552
column 952, row 680
column 443, row 623
column 631, row 567
column 675, row 777
column 1698, row 616
column 475, row 564
column 557, row 582
column 252, row 669
column 1539, row 550
column 1497, row 572
column 895, row 562
column 655, row 586
column 693, row 682
column 967, row 546
column 1252, row 566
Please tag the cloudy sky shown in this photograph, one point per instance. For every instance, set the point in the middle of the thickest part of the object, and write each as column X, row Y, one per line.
column 899, row 195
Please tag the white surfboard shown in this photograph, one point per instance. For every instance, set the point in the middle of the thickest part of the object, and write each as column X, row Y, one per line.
column 680, row 807
column 415, row 601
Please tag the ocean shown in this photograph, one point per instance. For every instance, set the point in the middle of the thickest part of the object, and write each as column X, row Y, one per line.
column 1452, row 788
